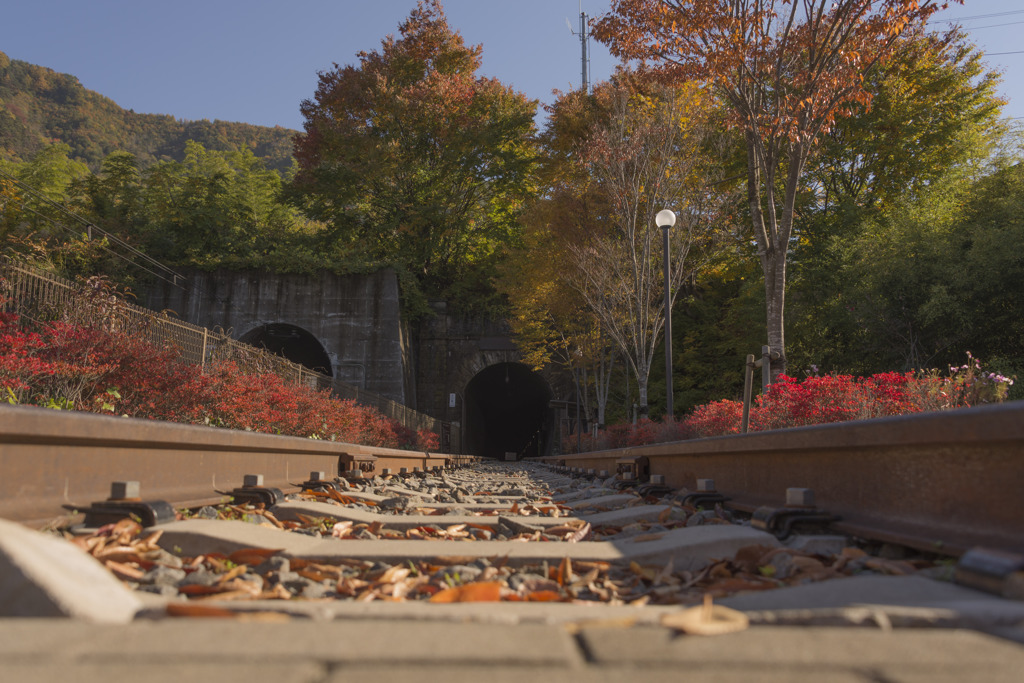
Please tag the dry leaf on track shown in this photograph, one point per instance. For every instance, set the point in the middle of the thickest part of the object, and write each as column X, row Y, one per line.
column 471, row 592
column 707, row 620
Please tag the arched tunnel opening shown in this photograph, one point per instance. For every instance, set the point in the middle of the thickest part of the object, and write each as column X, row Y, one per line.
column 507, row 412
column 294, row 343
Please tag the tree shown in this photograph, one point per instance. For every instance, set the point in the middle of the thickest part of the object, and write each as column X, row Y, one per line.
column 651, row 154
column 32, row 223
column 417, row 163
column 786, row 69
column 931, row 132
column 219, row 209
column 550, row 322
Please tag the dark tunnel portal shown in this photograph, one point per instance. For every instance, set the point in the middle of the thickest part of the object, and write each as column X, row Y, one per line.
column 507, row 412
column 294, row 343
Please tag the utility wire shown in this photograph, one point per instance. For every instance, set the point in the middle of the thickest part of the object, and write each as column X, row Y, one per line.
column 956, row 20
column 1009, row 23
column 111, row 238
column 106, row 249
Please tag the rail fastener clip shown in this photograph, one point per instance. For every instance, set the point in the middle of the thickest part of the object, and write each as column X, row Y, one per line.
column 799, row 511
column 253, row 492
column 125, row 502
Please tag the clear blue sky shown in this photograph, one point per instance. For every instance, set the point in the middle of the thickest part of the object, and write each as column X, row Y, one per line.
column 256, row 60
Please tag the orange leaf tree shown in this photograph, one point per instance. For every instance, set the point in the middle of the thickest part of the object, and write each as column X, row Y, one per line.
column 786, row 70
column 416, row 162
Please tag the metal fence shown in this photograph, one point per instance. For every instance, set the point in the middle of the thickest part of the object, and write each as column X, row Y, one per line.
column 42, row 296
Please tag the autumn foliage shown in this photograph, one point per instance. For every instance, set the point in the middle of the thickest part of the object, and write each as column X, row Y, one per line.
column 416, row 161
column 790, row 402
column 76, row 366
column 786, row 70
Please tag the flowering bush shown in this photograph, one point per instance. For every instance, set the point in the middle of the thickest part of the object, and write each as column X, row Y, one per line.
column 95, row 367
column 818, row 400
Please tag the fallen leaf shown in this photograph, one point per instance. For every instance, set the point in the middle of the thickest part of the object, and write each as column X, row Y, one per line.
column 190, row 609
column 564, row 576
column 233, row 574
column 272, row 519
column 470, row 592
column 124, row 571
column 253, row 556
column 544, row 596
column 394, row 574
column 342, row 529
column 117, row 553
column 707, row 620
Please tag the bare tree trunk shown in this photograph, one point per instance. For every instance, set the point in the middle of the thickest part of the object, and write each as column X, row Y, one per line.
column 642, row 390
column 775, row 301
column 644, row 160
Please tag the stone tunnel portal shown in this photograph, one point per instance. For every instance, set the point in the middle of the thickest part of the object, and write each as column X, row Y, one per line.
column 294, row 343
column 507, row 412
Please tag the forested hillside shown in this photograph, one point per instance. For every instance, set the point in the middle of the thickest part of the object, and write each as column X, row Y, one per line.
column 39, row 105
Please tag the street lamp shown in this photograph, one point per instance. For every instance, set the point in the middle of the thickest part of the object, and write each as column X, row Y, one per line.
column 665, row 220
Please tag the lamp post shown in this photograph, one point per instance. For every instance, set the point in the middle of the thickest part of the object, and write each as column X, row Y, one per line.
column 665, row 220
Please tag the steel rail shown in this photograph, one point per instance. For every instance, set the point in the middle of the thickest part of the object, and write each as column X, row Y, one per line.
column 942, row 481
column 51, row 458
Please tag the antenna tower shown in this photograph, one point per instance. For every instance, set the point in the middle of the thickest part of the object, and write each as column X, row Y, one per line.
column 584, row 34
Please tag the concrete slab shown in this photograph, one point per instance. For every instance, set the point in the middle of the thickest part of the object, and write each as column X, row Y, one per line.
column 431, row 504
column 969, row 654
column 291, row 511
column 370, row 641
column 41, row 575
column 629, row 515
column 897, row 600
column 389, row 650
column 614, row 500
column 692, row 548
column 575, row 615
column 364, row 640
column 589, row 674
column 176, row 671
column 581, row 494
column 688, row 548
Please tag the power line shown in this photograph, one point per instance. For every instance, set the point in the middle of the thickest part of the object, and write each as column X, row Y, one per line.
column 1008, row 23
column 1014, row 52
column 90, row 227
column 956, row 20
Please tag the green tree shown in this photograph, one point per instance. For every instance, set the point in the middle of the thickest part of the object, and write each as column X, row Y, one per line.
column 223, row 209
column 415, row 162
column 787, row 71
column 29, row 212
column 931, row 131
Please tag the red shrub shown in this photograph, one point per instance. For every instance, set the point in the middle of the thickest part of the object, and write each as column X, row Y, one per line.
column 90, row 367
column 715, row 419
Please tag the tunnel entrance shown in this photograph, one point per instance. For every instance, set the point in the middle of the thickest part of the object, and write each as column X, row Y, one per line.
column 294, row 343
column 507, row 412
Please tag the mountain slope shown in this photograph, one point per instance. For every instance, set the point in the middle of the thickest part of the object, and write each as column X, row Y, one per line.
column 39, row 105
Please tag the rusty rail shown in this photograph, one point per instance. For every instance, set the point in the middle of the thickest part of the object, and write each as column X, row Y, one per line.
column 937, row 481
column 941, row 481
column 50, row 458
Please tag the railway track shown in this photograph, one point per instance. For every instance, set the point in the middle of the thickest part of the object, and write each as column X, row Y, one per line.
column 941, row 482
column 596, row 559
